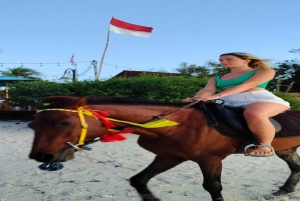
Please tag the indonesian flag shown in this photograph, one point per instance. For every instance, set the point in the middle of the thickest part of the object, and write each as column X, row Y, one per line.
column 72, row 60
column 120, row 27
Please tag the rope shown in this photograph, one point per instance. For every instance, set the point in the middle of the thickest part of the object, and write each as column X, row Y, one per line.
column 162, row 116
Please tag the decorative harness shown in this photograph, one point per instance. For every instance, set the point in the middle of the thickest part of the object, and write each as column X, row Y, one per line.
column 100, row 115
column 84, row 126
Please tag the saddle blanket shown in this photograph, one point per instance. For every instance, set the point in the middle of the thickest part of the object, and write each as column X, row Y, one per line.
column 231, row 123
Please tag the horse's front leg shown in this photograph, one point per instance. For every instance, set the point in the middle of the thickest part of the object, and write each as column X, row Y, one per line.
column 291, row 157
column 160, row 164
column 211, row 168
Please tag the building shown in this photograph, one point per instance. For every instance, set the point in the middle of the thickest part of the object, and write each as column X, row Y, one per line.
column 128, row 73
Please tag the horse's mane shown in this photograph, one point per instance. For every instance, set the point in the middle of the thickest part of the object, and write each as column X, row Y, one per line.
column 70, row 101
column 129, row 101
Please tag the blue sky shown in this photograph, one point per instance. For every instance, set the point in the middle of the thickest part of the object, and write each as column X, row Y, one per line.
column 192, row 31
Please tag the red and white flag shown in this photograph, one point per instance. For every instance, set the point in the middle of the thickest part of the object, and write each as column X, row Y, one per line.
column 72, row 60
column 120, row 27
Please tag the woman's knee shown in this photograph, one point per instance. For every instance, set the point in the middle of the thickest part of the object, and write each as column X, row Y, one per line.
column 254, row 115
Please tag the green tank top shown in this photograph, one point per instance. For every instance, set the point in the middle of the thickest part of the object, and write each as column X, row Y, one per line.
column 224, row 84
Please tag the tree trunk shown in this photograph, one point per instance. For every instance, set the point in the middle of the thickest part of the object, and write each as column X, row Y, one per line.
column 278, row 83
column 289, row 87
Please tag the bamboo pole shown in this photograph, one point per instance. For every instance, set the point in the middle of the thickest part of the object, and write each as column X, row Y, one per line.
column 102, row 59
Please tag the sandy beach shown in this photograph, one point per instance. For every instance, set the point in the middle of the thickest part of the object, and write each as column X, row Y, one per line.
column 104, row 174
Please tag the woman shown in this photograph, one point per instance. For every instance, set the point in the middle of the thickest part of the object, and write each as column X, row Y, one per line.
column 245, row 87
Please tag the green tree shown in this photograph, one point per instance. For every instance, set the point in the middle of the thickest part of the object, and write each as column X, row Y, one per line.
column 289, row 71
column 193, row 70
column 216, row 68
column 20, row 71
column 211, row 68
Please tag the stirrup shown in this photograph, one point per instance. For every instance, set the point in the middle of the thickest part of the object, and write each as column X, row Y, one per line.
column 260, row 144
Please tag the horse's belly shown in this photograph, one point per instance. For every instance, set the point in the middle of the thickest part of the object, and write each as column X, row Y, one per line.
column 285, row 143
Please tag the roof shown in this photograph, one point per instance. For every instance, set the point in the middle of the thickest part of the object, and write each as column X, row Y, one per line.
column 127, row 73
column 4, row 79
column 14, row 78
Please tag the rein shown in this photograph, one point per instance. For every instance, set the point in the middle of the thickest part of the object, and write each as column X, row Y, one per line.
column 162, row 116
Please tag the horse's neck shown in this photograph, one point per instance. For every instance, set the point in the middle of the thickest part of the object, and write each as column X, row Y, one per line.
column 187, row 118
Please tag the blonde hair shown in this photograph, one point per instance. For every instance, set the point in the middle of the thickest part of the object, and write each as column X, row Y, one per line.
column 255, row 62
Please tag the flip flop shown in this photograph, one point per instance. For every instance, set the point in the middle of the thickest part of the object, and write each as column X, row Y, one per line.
column 259, row 155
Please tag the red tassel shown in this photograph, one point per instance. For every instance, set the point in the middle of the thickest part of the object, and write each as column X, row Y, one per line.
column 112, row 138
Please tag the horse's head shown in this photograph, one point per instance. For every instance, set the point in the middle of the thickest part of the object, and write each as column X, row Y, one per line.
column 57, row 123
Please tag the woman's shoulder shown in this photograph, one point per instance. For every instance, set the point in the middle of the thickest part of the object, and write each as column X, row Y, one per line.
column 264, row 71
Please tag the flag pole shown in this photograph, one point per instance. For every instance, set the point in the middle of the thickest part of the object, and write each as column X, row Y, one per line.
column 102, row 59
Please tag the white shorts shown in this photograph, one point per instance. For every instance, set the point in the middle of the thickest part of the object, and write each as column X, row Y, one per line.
column 246, row 98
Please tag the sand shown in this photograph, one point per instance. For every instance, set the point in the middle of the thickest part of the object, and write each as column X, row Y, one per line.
column 104, row 174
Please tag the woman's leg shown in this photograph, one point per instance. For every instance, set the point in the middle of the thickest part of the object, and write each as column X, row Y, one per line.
column 257, row 117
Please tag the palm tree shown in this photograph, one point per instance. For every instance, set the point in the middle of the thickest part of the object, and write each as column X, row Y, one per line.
column 23, row 72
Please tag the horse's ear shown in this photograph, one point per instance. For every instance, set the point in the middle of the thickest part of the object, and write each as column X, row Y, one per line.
column 81, row 102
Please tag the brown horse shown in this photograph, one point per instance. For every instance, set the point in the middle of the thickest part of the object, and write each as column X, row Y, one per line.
column 59, row 134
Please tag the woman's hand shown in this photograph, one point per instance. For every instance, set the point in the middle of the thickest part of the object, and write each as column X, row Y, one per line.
column 211, row 97
column 189, row 100
column 204, row 99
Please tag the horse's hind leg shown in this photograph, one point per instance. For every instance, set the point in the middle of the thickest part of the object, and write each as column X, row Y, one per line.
column 291, row 157
column 159, row 165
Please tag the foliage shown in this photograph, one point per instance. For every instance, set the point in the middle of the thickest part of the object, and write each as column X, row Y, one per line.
column 289, row 71
column 211, row 68
column 21, row 71
column 295, row 103
column 193, row 70
column 168, row 89
column 217, row 68
column 172, row 89
column 25, row 93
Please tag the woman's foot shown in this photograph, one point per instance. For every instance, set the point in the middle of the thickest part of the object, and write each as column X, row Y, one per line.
column 262, row 150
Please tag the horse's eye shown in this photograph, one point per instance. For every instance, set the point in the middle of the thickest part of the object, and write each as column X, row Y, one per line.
column 64, row 123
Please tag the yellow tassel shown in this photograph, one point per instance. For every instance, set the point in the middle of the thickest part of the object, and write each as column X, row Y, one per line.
column 160, row 123
column 153, row 124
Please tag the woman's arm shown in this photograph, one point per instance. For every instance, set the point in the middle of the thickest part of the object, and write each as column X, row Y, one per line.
column 209, row 89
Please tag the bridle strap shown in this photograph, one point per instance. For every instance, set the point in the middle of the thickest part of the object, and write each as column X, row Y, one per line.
column 84, row 126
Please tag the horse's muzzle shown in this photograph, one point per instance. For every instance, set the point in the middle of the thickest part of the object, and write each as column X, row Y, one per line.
column 41, row 157
column 59, row 156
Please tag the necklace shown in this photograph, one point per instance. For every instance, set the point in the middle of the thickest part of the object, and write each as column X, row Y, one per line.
column 239, row 70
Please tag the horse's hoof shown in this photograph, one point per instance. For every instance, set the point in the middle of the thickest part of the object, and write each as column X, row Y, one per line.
column 219, row 199
column 51, row 166
column 279, row 193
